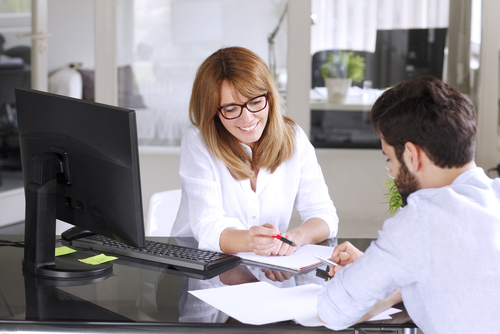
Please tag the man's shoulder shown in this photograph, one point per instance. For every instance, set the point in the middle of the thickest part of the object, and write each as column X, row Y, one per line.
column 469, row 186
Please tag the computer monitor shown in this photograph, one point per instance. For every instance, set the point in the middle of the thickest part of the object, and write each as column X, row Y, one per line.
column 80, row 165
column 403, row 54
column 400, row 54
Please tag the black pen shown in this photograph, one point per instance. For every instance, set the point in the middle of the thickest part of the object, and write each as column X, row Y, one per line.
column 285, row 240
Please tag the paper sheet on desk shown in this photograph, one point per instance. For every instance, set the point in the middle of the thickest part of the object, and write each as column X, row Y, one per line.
column 304, row 257
column 253, row 307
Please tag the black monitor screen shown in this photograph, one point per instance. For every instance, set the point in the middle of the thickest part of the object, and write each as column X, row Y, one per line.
column 97, row 177
column 402, row 54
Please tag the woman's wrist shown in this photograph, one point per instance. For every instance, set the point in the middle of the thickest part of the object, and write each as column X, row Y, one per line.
column 312, row 231
column 233, row 241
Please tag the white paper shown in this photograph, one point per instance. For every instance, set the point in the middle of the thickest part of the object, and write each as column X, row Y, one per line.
column 303, row 258
column 262, row 303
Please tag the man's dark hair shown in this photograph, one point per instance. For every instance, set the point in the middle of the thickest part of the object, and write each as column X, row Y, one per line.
column 430, row 114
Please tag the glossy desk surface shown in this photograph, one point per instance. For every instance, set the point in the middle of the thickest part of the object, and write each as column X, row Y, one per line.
column 138, row 297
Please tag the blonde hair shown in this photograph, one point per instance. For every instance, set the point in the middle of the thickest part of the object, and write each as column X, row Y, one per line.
column 250, row 76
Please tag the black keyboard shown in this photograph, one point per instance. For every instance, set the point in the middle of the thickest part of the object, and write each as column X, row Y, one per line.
column 175, row 255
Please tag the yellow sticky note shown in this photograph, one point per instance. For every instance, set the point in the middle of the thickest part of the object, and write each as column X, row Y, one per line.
column 98, row 259
column 63, row 250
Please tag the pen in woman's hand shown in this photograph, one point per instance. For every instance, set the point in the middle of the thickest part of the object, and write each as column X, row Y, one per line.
column 285, row 240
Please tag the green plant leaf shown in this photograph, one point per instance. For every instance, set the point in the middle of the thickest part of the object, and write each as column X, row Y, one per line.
column 394, row 197
column 356, row 68
column 344, row 64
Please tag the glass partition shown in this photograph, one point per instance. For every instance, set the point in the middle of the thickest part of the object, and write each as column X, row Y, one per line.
column 161, row 43
column 15, row 61
column 367, row 46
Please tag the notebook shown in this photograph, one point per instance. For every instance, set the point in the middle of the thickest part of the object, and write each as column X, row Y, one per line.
column 301, row 261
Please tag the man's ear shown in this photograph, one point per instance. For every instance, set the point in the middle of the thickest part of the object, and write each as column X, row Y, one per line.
column 412, row 156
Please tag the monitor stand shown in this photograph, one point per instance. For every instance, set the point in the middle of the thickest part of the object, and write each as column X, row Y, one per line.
column 40, row 227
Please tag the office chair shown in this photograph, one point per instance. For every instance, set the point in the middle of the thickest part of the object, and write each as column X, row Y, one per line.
column 318, row 59
column 21, row 51
column 162, row 211
column 160, row 218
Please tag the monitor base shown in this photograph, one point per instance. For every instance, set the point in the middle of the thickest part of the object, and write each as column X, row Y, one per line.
column 68, row 268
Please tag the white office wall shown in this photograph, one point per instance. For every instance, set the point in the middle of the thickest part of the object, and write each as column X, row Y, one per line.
column 299, row 63
column 159, row 171
column 488, row 141
column 12, row 206
column 105, row 34
column 185, row 32
column 355, row 180
column 71, row 26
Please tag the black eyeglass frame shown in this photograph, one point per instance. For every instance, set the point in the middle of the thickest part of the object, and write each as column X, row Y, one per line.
column 243, row 106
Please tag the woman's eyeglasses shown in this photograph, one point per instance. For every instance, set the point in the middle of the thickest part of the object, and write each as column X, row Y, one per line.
column 233, row 111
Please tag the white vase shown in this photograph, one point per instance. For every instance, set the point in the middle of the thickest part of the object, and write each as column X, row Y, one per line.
column 337, row 89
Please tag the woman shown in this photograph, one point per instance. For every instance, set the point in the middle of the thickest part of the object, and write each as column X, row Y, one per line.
column 244, row 166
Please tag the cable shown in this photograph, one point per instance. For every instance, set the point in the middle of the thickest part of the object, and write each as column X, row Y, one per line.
column 12, row 243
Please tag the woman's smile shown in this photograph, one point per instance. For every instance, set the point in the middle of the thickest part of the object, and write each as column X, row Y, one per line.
column 249, row 128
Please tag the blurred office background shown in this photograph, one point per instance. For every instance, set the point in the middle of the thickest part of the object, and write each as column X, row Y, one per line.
column 143, row 55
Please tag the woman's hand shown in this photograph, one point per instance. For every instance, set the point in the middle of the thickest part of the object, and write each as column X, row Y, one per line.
column 261, row 239
column 257, row 239
column 343, row 254
column 284, row 248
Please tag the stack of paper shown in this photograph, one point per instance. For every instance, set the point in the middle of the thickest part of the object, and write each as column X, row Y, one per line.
column 253, row 304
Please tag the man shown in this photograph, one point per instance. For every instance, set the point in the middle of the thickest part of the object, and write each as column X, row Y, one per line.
column 443, row 247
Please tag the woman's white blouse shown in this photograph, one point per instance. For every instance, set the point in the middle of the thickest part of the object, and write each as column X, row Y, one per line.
column 212, row 200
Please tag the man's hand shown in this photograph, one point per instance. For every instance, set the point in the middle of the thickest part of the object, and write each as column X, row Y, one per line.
column 343, row 254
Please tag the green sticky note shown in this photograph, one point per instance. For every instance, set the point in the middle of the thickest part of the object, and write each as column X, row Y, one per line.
column 98, row 259
column 63, row 250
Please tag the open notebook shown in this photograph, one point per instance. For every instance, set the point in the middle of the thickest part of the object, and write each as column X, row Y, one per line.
column 302, row 260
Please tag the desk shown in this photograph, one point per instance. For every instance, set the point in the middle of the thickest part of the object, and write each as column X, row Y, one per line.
column 138, row 298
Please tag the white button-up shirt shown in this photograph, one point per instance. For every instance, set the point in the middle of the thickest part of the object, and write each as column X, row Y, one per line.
column 213, row 200
column 442, row 249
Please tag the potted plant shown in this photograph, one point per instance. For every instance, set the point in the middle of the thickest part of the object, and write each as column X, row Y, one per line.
column 339, row 71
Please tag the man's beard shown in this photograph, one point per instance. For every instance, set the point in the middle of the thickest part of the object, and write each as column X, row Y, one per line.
column 406, row 183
